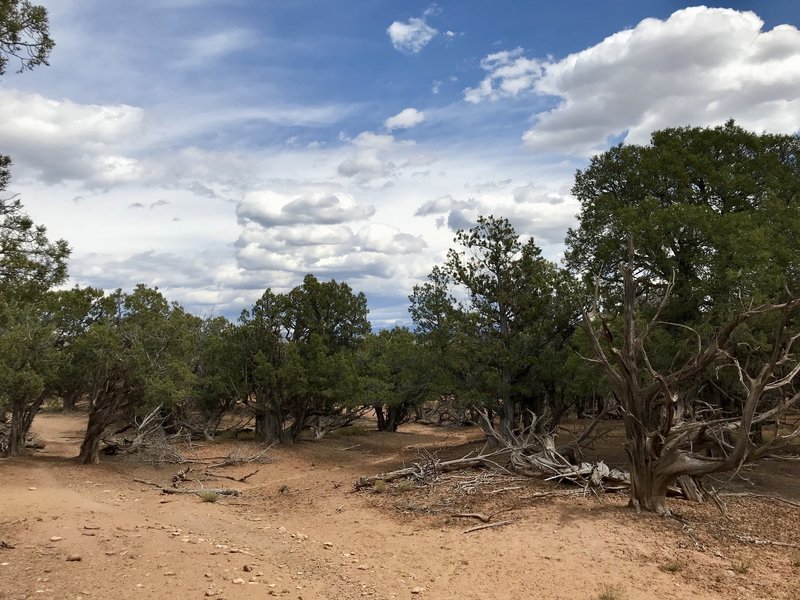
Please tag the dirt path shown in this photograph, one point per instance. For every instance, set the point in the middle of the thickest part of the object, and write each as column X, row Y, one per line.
column 298, row 531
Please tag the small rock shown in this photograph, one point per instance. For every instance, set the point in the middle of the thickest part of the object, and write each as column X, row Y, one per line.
column 363, row 567
column 327, row 545
column 247, row 568
column 74, row 558
column 31, row 488
column 56, row 538
column 210, row 593
column 238, row 581
column 417, row 590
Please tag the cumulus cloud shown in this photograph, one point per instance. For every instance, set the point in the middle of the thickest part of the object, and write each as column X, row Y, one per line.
column 60, row 140
column 317, row 207
column 376, row 237
column 372, row 159
column 411, row 36
column 408, row 117
column 509, row 73
column 343, row 263
column 443, row 204
column 700, row 66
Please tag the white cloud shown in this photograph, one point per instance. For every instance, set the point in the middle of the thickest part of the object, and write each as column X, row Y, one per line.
column 377, row 237
column 443, row 204
column 701, row 66
column 509, row 74
column 411, row 36
column 269, row 209
column 374, row 157
column 62, row 140
column 408, row 117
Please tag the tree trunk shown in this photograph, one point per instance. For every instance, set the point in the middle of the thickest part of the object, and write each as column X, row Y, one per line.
column 21, row 421
column 395, row 415
column 90, row 448
column 269, row 427
column 646, row 494
column 70, row 400
column 508, row 420
column 16, row 433
column 380, row 416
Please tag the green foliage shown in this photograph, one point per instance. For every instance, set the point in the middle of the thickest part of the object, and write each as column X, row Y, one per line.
column 139, row 347
column 24, row 34
column 507, row 338
column 297, row 355
column 716, row 207
column 394, row 378
column 30, row 265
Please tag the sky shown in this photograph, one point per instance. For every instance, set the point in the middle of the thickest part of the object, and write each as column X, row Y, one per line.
column 216, row 148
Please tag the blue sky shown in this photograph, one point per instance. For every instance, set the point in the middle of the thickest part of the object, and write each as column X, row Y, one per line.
column 216, row 148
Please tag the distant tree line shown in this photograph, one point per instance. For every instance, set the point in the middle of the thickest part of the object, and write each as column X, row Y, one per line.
column 676, row 307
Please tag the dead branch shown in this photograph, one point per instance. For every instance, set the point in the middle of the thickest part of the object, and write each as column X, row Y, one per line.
column 505, row 489
column 171, row 490
column 749, row 539
column 425, row 469
column 237, row 479
column 220, row 491
column 236, row 457
column 480, row 516
column 487, row 526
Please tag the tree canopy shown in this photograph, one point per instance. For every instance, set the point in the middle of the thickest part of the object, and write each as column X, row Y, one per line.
column 24, row 34
column 715, row 207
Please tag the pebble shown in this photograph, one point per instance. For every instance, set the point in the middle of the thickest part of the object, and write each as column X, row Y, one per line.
column 417, row 590
column 327, row 545
column 210, row 592
column 56, row 538
column 238, row 580
column 74, row 558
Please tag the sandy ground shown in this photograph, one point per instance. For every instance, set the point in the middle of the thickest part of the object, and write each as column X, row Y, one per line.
column 300, row 531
